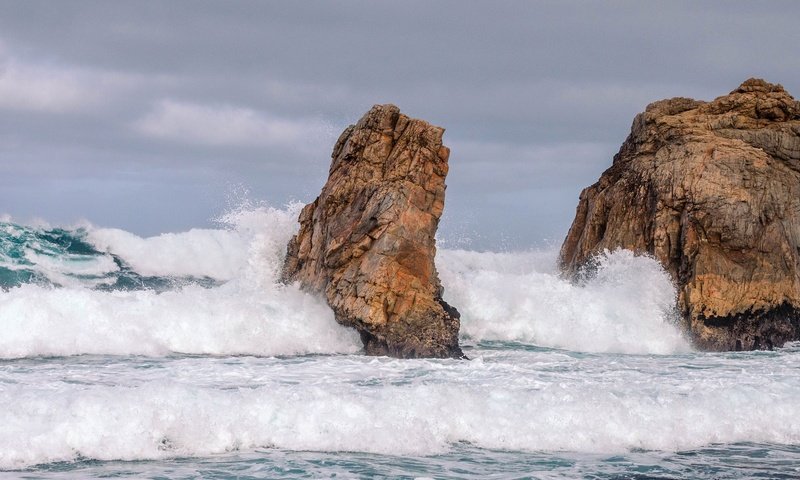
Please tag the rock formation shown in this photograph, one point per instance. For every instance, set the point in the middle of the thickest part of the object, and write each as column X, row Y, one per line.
column 711, row 190
column 367, row 242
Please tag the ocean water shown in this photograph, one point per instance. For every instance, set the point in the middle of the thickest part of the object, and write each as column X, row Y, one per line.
column 181, row 356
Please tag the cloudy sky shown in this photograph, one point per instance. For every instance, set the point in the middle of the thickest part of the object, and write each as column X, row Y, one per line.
column 157, row 116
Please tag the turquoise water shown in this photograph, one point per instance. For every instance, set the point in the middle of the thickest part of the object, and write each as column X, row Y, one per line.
column 736, row 461
column 59, row 257
column 180, row 356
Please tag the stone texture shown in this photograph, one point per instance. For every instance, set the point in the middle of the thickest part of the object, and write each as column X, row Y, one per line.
column 367, row 242
column 711, row 190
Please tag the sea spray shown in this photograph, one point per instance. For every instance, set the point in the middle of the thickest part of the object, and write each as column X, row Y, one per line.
column 252, row 239
column 627, row 306
column 248, row 313
column 215, row 291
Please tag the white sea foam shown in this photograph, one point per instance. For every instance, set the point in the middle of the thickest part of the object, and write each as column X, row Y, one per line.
column 39, row 321
column 75, row 271
column 626, row 307
column 511, row 401
column 219, row 253
column 528, row 399
column 250, row 314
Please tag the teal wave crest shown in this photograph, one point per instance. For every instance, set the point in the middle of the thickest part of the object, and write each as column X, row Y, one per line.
column 58, row 257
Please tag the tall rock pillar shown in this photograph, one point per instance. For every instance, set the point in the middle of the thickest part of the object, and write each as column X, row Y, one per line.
column 367, row 242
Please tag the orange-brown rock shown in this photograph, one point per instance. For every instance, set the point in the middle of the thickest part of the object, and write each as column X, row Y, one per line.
column 711, row 190
column 367, row 242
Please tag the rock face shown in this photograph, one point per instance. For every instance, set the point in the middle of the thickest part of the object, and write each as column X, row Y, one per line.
column 367, row 242
column 711, row 190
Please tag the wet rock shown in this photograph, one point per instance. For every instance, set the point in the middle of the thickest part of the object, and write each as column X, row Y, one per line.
column 711, row 190
column 367, row 242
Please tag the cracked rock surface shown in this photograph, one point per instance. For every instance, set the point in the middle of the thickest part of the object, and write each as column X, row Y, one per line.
column 712, row 191
column 367, row 242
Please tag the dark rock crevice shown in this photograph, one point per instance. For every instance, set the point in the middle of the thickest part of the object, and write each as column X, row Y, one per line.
column 754, row 330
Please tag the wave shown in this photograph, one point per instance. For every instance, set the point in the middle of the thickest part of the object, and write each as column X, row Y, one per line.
column 244, row 310
column 214, row 291
column 486, row 404
column 626, row 306
column 68, row 258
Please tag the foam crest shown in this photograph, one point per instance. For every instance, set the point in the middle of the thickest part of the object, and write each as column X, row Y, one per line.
column 216, row 253
column 167, row 419
column 74, row 270
column 56, row 256
column 39, row 321
column 249, row 314
column 627, row 307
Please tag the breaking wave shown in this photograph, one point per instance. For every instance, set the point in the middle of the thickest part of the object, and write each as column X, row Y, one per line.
column 506, row 400
column 96, row 290
column 119, row 347
column 627, row 306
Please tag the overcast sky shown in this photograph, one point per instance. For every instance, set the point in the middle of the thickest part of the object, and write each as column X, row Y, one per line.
column 156, row 116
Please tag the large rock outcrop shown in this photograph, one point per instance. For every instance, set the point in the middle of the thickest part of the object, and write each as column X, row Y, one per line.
column 711, row 190
column 367, row 242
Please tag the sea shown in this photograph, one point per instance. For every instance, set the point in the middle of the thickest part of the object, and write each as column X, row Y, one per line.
column 182, row 356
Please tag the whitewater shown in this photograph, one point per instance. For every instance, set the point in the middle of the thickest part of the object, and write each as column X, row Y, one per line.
column 182, row 356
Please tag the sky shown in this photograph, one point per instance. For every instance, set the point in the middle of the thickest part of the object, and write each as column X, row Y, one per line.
column 159, row 116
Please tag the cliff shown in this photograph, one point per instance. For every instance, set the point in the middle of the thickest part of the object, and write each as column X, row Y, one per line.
column 712, row 191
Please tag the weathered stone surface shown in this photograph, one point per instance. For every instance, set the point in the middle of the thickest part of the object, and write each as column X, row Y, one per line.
column 711, row 190
column 367, row 242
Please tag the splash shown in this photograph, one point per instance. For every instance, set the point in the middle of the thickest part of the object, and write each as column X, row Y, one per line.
column 239, row 309
column 626, row 307
column 215, row 291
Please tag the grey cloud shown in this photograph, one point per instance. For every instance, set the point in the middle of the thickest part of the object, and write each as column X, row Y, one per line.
column 502, row 167
column 221, row 125
column 157, row 109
